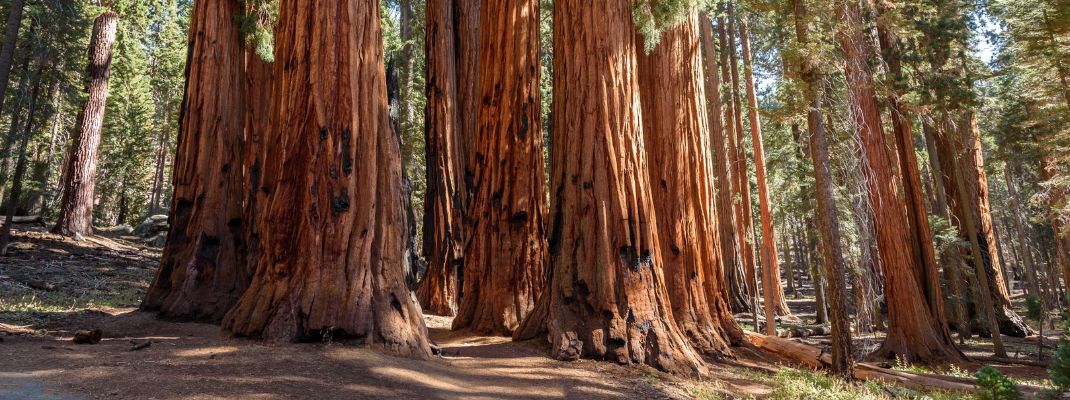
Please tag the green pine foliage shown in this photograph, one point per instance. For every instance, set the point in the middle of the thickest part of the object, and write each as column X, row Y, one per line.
column 994, row 385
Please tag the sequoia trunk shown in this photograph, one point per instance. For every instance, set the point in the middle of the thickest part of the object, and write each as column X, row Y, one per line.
column 913, row 332
column 506, row 251
column 201, row 274
column 828, row 225
column 725, row 220
column 607, row 297
column 678, row 149
column 443, row 241
column 332, row 260
column 76, row 209
column 771, row 288
column 959, row 146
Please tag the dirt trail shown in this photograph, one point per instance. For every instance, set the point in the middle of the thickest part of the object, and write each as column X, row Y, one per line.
column 50, row 287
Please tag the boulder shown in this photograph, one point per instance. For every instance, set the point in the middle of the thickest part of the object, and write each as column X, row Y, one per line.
column 152, row 225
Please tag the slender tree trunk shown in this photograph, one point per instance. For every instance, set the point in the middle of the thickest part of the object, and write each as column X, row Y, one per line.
column 739, row 284
column 726, row 223
column 828, row 225
column 76, row 209
column 445, row 197
column 983, row 284
column 202, row 272
column 963, row 137
column 506, row 251
column 333, row 259
column 1019, row 230
column 771, row 287
column 953, row 270
column 16, row 121
column 914, row 333
column 743, row 194
column 921, row 238
column 20, row 165
column 607, row 298
column 7, row 52
column 677, row 142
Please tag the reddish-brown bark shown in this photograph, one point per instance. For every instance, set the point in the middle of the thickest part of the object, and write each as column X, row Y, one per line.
column 677, row 142
column 738, row 277
column 725, row 218
column 913, row 332
column 742, row 195
column 828, row 224
column 332, row 260
column 443, row 241
column 76, row 209
column 772, row 290
column 607, row 297
column 920, row 235
column 505, row 255
column 202, row 272
column 960, row 147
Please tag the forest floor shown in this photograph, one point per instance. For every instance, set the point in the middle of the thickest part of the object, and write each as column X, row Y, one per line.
column 50, row 287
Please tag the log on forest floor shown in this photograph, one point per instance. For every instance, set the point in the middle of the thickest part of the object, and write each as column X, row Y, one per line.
column 818, row 359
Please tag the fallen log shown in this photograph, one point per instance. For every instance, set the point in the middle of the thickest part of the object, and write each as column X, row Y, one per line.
column 818, row 359
column 1001, row 360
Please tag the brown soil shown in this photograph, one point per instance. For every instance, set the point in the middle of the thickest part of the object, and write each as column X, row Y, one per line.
column 95, row 284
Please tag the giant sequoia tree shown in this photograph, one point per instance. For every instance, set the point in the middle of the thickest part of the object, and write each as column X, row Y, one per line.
column 914, row 333
column 677, row 141
column 607, row 296
column 202, row 272
column 443, row 241
column 76, row 210
column 332, row 256
column 505, row 255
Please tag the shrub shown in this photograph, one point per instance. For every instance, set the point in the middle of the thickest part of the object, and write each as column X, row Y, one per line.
column 993, row 385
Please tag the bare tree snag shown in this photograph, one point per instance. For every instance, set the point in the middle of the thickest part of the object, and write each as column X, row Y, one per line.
column 506, row 251
column 332, row 260
column 76, row 210
column 202, row 272
column 607, row 298
column 772, row 290
column 835, row 267
column 444, row 200
column 678, row 149
column 913, row 332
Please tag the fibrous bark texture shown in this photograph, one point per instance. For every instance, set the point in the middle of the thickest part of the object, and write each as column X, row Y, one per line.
column 772, row 290
column 678, row 149
column 332, row 260
column 913, row 332
column 607, row 298
column 961, row 143
column 443, row 241
column 828, row 225
column 725, row 219
column 201, row 272
column 740, row 285
column 76, row 209
column 506, row 251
